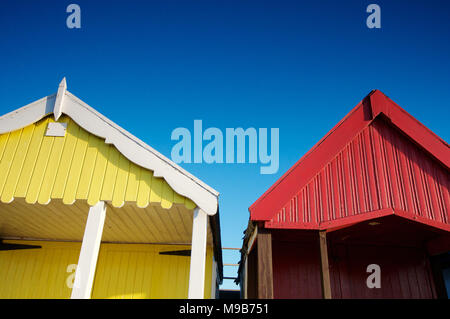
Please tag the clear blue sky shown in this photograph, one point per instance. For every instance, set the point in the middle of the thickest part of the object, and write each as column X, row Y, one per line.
column 300, row 66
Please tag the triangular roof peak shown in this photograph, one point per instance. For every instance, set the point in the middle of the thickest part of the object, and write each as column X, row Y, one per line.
column 64, row 102
column 376, row 104
column 419, row 133
column 59, row 102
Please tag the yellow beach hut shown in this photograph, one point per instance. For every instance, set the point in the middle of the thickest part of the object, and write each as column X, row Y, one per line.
column 87, row 210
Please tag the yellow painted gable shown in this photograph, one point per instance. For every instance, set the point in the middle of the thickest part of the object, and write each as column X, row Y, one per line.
column 78, row 166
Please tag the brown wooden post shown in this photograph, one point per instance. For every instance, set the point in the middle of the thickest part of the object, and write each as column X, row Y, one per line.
column 265, row 272
column 324, row 266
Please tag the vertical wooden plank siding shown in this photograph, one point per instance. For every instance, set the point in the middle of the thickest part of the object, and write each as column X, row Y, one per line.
column 265, row 272
column 38, row 273
column 138, row 271
column 252, row 274
column 405, row 272
column 123, row 271
column 296, row 270
column 78, row 166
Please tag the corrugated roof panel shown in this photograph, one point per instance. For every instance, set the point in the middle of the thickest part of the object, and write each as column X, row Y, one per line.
column 378, row 169
column 388, row 191
column 78, row 166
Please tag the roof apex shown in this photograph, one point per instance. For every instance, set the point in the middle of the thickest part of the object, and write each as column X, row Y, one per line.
column 59, row 102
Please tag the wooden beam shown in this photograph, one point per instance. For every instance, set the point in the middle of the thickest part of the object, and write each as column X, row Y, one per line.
column 251, row 240
column 87, row 262
column 59, row 102
column 245, row 294
column 252, row 275
column 265, row 272
column 198, row 255
column 324, row 266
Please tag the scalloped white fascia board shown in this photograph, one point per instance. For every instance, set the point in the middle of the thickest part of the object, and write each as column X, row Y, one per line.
column 29, row 114
column 130, row 146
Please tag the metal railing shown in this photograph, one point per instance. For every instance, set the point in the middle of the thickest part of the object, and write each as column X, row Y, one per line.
column 229, row 264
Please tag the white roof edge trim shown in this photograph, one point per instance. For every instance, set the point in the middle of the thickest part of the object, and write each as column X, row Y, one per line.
column 30, row 113
column 130, row 146
column 141, row 143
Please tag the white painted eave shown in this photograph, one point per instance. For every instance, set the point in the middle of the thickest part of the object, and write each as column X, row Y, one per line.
column 130, row 146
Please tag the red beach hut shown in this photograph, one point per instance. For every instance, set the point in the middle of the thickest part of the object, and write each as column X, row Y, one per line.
column 364, row 214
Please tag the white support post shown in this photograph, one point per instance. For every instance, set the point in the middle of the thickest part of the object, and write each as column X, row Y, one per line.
column 198, row 255
column 84, row 276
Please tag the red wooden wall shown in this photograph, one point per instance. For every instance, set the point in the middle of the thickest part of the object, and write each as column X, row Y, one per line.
column 405, row 271
column 296, row 270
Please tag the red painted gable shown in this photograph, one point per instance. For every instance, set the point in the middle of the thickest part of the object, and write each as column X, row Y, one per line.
column 377, row 161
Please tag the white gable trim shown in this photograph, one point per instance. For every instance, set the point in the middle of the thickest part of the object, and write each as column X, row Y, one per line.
column 27, row 115
column 59, row 103
column 131, row 147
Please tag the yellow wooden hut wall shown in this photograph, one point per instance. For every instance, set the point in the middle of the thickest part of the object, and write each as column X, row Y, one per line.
column 78, row 166
column 124, row 271
column 47, row 184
